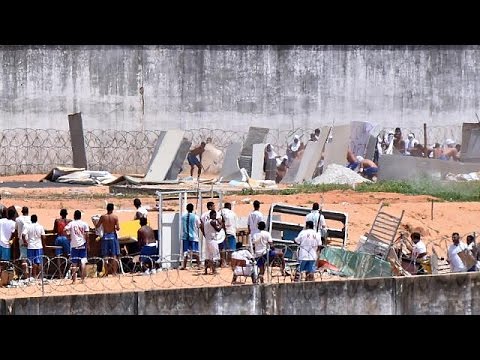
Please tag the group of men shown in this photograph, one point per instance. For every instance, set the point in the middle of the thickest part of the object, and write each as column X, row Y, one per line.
column 219, row 231
column 461, row 257
column 260, row 249
column 393, row 142
column 71, row 239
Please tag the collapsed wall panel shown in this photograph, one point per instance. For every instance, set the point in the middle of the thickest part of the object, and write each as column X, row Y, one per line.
column 311, row 157
column 230, row 169
column 258, row 157
column 401, row 167
column 177, row 164
column 162, row 159
column 75, row 125
column 256, row 135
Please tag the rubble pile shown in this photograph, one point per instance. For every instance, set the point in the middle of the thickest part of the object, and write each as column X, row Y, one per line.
column 339, row 174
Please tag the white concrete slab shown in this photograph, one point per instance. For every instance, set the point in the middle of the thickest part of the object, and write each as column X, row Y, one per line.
column 336, row 149
column 311, row 157
column 163, row 158
column 230, row 169
column 258, row 155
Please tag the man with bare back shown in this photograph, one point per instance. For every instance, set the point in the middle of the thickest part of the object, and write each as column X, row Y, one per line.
column 110, row 244
column 194, row 158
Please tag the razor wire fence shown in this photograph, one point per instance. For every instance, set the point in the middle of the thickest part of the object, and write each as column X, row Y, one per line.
column 35, row 151
column 53, row 275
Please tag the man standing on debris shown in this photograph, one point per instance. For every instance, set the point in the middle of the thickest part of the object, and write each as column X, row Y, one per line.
column 456, row 263
column 319, row 223
column 194, row 158
column 295, row 149
column 282, row 169
column 110, row 244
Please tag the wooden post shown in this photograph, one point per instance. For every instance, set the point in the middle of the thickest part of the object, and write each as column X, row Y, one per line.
column 432, row 210
column 425, row 152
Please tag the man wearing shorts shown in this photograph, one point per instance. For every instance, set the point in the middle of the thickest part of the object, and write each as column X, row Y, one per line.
column 194, row 158
column 78, row 231
column 109, row 242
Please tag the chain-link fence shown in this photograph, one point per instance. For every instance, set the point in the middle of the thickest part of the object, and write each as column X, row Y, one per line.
column 36, row 151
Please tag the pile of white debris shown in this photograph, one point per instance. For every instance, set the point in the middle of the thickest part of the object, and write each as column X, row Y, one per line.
column 339, row 174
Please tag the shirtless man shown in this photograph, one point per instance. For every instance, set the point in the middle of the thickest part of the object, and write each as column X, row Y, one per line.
column 419, row 151
column 194, row 158
column 366, row 167
column 447, row 153
column 110, row 245
column 148, row 246
column 398, row 142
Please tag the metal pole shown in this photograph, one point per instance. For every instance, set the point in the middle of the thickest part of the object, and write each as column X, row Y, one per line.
column 160, row 228
column 425, row 139
column 220, row 196
column 180, row 212
column 200, row 235
column 432, row 210
column 43, row 289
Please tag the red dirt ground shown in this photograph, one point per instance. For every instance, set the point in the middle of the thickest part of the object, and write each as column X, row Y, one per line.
column 436, row 227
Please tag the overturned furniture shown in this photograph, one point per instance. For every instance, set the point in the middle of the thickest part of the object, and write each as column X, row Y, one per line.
column 381, row 236
column 286, row 221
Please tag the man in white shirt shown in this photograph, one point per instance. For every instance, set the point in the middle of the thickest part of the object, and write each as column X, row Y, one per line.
column 309, row 241
column 262, row 240
column 78, row 232
column 253, row 220
column 472, row 246
column 140, row 211
column 34, row 235
column 20, row 223
column 456, row 264
column 419, row 252
column 319, row 223
column 229, row 219
column 7, row 230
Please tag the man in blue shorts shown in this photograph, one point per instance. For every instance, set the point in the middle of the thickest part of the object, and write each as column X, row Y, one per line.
column 194, row 158
column 110, row 244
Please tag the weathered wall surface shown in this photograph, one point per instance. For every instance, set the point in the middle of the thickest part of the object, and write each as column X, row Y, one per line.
column 450, row 294
column 400, row 167
column 233, row 87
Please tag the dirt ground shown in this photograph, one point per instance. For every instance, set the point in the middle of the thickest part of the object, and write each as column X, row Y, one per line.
column 436, row 223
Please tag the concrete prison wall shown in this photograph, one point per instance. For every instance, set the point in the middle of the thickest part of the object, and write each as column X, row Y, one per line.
column 136, row 88
column 451, row 294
